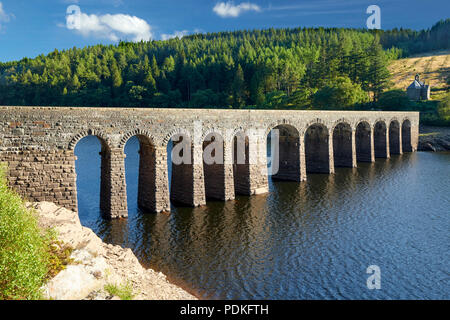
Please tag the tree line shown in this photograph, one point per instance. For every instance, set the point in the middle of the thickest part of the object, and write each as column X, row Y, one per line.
column 300, row 68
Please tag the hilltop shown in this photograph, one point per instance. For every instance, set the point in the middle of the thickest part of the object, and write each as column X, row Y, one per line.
column 434, row 69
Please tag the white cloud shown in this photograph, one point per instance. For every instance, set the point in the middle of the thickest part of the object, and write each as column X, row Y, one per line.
column 229, row 9
column 176, row 34
column 4, row 17
column 109, row 26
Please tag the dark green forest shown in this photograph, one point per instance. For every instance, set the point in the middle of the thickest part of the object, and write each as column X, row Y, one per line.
column 303, row 68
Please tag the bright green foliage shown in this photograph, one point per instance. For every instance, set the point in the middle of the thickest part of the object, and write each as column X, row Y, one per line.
column 204, row 98
column 275, row 99
column 301, row 99
column 376, row 79
column 394, row 100
column 24, row 258
column 124, row 291
column 29, row 256
column 256, row 68
column 338, row 94
column 444, row 108
column 238, row 88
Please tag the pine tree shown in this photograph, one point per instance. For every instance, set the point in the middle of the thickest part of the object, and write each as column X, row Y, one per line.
column 378, row 75
column 238, row 88
column 155, row 68
column 257, row 89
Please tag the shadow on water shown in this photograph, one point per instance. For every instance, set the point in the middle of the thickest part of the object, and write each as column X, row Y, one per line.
column 311, row 240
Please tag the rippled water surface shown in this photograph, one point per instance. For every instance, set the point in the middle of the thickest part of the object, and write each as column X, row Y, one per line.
column 311, row 240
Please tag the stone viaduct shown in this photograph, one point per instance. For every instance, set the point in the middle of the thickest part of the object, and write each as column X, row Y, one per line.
column 38, row 143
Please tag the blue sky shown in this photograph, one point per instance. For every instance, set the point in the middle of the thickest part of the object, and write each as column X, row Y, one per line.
column 29, row 28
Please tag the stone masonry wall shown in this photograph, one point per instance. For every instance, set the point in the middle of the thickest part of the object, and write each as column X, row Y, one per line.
column 43, row 176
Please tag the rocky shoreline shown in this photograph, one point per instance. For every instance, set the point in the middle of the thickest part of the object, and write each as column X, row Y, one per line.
column 434, row 139
column 97, row 264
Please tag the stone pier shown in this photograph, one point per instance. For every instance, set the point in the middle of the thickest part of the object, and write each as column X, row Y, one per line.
column 113, row 189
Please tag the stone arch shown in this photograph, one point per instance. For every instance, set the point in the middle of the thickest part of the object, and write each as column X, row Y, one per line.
column 178, row 131
column 341, row 121
column 317, row 152
column 234, row 132
column 90, row 132
column 395, row 146
column 139, row 133
column 342, row 144
column 363, row 141
column 310, row 123
column 380, row 139
column 379, row 120
column 209, row 131
column 394, row 119
column 406, row 135
column 285, row 155
column 366, row 120
column 283, row 122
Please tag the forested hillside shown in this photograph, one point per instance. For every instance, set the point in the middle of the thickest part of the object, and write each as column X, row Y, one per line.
column 275, row 68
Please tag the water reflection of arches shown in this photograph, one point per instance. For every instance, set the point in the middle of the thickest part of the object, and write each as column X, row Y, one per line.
column 380, row 140
column 317, row 152
column 395, row 146
column 406, row 136
column 363, row 141
column 342, row 145
column 289, row 166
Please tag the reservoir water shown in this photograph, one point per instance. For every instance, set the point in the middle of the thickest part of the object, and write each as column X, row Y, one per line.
column 310, row 240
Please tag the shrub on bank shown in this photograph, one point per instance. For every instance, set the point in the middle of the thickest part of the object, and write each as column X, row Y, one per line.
column 444, row 108
column 24, row 257
column 124, row 291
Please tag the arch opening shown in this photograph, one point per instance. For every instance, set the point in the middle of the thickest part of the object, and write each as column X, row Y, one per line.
column 380, row 142
column 180, row 150
column 285, row 162
column 92, row 178
column 317, row 153
column 213, row 166
column 241, row 164
column 140, row 169
column 394, row 138
column 406, row 136
column 342, row 145
column 363, row 142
